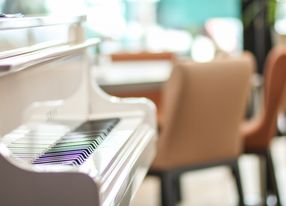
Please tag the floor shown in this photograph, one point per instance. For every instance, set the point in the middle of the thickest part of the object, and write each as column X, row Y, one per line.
column 216, row 187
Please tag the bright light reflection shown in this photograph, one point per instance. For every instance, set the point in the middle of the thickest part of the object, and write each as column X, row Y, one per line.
column 158, row 39
column 226, row 32
column 203, row 49
column 107, row 18
column 66, row 7
column 280, row 27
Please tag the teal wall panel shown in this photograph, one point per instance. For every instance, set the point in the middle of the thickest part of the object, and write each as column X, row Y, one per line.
column 188, row 13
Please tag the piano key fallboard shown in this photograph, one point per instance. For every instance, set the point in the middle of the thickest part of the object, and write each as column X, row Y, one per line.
column 60, row 134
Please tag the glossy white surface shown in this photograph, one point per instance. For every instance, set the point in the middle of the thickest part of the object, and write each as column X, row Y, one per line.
column 28, row 34
column 56, row 95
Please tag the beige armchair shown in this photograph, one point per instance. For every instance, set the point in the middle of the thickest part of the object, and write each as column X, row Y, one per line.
column 203, row 107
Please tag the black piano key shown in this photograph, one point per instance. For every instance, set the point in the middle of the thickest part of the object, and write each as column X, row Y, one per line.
column 72, row 139
column 79, row 152
column 98, row 140
column 60, row 157
column 88, row 150
column 75, row 147
column 75, row 157
column 74, row 142
column 83, row 152
column 91, row 145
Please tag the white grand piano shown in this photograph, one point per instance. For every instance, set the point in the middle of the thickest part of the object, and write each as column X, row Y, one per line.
column 63, row 141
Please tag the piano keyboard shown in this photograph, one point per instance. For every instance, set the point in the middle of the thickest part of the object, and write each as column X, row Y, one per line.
column 72, row 148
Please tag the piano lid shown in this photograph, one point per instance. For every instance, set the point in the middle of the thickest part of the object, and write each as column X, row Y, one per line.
column 39, row 21
column 28, row 34
column 43, row 69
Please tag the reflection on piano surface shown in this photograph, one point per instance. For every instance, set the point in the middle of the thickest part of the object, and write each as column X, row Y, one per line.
column 63, row 140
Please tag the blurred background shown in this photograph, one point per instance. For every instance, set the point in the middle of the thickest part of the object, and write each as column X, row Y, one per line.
column 198, row 29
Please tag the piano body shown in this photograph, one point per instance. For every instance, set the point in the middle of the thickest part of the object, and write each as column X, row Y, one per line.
column 63, row 140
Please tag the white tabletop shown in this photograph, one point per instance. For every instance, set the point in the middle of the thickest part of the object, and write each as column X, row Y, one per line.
column 132, row 74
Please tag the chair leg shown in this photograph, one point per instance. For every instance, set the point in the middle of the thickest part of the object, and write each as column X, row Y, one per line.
column 271, row 183
column 263, row 178
column 168, row 193
column 177, row 185
column 236, row 173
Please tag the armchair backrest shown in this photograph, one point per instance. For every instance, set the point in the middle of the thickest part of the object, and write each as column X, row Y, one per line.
column 203, row 106
column 274, row 90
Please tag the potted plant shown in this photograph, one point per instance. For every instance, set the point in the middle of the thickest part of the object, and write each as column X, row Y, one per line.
column 258, row 20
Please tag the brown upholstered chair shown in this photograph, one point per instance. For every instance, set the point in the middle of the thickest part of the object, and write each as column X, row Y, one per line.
column 203, row 107
column 258, row 133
